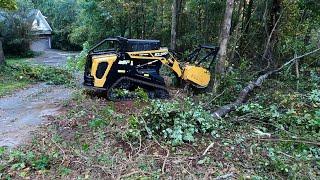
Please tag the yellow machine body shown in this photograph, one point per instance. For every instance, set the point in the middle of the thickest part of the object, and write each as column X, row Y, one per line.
column 199, row 76
column 96, row 60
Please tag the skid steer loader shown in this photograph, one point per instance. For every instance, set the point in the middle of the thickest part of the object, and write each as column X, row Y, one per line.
column 120, row 63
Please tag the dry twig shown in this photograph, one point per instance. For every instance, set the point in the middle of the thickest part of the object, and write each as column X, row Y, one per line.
column 210, row 146
column 208, row 103
column 164, row 162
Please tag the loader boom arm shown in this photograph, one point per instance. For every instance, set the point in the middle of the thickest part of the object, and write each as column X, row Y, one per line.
column 163, row 55
column 195, row 75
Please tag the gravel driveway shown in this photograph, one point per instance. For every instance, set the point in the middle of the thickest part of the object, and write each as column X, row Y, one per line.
column 23, row 111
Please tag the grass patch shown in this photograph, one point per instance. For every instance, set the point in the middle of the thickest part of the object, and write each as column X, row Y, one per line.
column 17, row 74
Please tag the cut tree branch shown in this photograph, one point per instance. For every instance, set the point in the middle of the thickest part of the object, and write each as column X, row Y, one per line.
column 224, row 110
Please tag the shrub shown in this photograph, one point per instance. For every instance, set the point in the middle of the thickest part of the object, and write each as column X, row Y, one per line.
column 174, row 121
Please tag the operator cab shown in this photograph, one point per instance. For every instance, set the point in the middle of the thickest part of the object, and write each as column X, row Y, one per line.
column 122, row 45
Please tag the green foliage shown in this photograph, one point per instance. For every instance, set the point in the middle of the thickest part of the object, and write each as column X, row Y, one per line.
column 315, row 96
column 176, row 122
column 19, row 160
column 291, row 112
column 50, row 75
column 64, row 171
column 315, row 78
column 297, row 28
column 147, row 19
column 297, row 164
column 76, row 22
column 97, row 123
column 133, row 132
column 138, row 94
column 107, row 112
column 289, row 119
column 141, row 94
column 16, row 30
column 8, row 4
column 248, row 108
column 91, row 28
column 9, row 84
column 78, row 63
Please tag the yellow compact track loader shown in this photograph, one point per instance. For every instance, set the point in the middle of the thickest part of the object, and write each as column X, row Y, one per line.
column 120, row 63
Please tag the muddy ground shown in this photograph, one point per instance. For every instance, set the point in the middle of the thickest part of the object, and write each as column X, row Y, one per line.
column 23, row 111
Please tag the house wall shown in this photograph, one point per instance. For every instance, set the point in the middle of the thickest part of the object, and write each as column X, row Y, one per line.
column 41, row 43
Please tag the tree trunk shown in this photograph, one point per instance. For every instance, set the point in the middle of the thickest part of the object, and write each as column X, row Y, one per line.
column 174, row 25
column 248, row 16
column 144, row 22
column 180, row 6
column 207, row 21
column 237, row 30
column 319, row 39
column 1, row 52
column 275, row 16
column 224, row 38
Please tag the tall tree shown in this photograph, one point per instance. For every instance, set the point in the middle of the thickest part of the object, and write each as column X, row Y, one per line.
column 1, row 52
column 174, row 23
column 10, row 5
column 224, row 38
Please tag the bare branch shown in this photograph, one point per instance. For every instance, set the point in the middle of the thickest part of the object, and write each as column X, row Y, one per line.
column 267, row 48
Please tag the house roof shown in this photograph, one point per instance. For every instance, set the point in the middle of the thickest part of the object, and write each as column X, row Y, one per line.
column 39, row 22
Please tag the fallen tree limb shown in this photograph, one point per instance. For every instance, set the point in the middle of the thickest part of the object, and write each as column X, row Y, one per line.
column 291, row 140
column 224, row 110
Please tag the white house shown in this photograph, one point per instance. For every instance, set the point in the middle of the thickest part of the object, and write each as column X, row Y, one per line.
column 41, row 30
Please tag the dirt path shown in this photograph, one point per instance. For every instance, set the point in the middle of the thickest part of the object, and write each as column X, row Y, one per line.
column 22, row 112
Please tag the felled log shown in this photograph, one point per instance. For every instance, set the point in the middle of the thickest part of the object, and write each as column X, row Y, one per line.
column 224, row 110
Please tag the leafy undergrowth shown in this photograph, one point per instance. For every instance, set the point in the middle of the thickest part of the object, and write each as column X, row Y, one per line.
column 17, row 74
column 274, row 136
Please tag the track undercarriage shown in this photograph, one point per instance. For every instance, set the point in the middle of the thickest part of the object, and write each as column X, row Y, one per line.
column 125, row 89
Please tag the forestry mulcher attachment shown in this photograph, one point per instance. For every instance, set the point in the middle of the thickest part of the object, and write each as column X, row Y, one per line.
column 120, row 63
